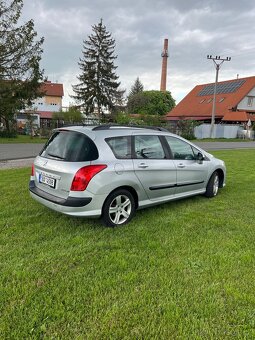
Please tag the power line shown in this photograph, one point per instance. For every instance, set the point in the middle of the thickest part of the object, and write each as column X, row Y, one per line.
column 241, row 53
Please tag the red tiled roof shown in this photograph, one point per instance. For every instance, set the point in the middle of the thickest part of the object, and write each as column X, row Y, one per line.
column 238, row 116
column 53, row 89
column 194, row 105
column 45, row 114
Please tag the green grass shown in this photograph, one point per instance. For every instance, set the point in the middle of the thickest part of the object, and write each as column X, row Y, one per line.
column 182, row 270
column 22, row 139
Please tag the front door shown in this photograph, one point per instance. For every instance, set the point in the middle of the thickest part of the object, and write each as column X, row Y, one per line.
column 191, row 173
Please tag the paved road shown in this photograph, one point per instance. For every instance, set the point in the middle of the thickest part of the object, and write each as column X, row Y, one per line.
column 16, row 163
column 225, row 145
column 20, row 151
column 21, row 155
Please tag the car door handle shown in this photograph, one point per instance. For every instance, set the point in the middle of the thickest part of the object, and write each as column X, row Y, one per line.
column 181, row 166
column 143, row 166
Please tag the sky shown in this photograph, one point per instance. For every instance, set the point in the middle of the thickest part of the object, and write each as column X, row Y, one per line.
column 194, row 29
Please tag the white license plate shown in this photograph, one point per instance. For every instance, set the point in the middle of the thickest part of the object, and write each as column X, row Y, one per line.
column 47, row 180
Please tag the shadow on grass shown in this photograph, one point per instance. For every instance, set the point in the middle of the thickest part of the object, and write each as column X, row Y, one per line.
column 84, row 224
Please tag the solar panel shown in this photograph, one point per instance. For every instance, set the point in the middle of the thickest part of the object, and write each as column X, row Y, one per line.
column 228, row 87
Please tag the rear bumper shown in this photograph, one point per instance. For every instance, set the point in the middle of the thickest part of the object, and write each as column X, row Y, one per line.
column 69, row 202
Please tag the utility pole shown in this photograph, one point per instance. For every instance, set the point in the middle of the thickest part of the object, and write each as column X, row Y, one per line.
column 218, row 61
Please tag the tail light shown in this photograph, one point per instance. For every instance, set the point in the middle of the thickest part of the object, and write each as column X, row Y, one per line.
column 33, row 170
column 84, row 175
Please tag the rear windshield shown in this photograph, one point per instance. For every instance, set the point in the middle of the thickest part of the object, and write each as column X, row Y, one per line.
column 70, row 146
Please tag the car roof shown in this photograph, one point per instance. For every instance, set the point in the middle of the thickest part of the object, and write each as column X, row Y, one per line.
column 114, row 130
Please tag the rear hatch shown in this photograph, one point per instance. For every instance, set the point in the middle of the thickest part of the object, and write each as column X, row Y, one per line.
column 64, row 154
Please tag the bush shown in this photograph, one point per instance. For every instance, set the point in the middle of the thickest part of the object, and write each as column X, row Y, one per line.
column 8, row 134
column 186, row 128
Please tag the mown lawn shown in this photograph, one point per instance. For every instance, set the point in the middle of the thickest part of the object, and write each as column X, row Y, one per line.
column 22, row 139
column 183, row 270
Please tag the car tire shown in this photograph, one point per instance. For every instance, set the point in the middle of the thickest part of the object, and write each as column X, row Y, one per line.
column 212, row 187
column 118, row 209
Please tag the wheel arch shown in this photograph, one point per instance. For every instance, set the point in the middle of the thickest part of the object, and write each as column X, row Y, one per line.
column 221, row 177
column 128, row 188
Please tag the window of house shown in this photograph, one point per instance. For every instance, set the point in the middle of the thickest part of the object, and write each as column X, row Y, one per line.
column 201, row 101
column 209, row 100
column 221, row 100
column 249, row 101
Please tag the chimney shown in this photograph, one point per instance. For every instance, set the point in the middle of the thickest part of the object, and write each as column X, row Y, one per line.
column 164, row 66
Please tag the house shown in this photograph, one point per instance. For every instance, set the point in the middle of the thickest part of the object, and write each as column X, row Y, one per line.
column 235, row 103
column 51, row 102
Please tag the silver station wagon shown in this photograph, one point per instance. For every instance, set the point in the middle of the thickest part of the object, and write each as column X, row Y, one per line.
column 109, row 171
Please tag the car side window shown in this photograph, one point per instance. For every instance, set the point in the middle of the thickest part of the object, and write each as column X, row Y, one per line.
column 148, row 147
column 180, row 149
column 121, row 146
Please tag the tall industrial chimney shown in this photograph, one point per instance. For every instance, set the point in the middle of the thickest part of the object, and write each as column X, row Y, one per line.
column 164, row 66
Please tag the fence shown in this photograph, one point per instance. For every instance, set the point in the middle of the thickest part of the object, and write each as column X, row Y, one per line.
column 223, row 131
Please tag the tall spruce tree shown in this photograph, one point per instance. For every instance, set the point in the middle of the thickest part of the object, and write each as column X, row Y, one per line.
column 98, row 86
column 136, row 87
column 20, row 54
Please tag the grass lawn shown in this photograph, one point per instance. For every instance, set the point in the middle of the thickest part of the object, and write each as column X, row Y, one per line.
column 22, row 139
column 182, row 270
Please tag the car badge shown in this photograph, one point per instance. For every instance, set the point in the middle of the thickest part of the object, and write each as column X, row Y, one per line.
column 45, row 163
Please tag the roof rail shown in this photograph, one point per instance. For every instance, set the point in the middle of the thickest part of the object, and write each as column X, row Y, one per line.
column 109, row 126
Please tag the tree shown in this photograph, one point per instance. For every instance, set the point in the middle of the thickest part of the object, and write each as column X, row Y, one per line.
column 137, row 87
column 20, row 55
column 72, row 116
column 98, row 85
column 151, row 103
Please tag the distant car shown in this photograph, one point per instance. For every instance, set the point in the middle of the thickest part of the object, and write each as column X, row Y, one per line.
column 111, row 171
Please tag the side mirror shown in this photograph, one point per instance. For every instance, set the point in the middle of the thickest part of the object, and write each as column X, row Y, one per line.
column 200, row 157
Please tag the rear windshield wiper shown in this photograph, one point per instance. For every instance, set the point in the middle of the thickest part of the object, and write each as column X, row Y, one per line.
column 55, row 156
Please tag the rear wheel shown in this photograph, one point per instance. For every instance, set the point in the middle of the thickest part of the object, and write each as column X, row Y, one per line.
column 119, row 208
column 213, row 185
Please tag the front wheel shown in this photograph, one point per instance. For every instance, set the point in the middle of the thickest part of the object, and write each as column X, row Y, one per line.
column 213, row 185
column 118, row 208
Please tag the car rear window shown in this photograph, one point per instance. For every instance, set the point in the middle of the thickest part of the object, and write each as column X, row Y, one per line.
column 70, row 146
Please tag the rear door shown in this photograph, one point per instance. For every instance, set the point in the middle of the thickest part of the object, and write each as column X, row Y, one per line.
column 155, row 171
column 191, row 173
column 64, row 154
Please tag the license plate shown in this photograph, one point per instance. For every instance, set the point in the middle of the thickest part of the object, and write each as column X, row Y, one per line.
column 47, row 180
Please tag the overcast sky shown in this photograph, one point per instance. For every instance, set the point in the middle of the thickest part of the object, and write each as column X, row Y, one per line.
column 194, row 28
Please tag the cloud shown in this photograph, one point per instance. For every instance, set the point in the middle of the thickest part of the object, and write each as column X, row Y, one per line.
column 194, row 29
